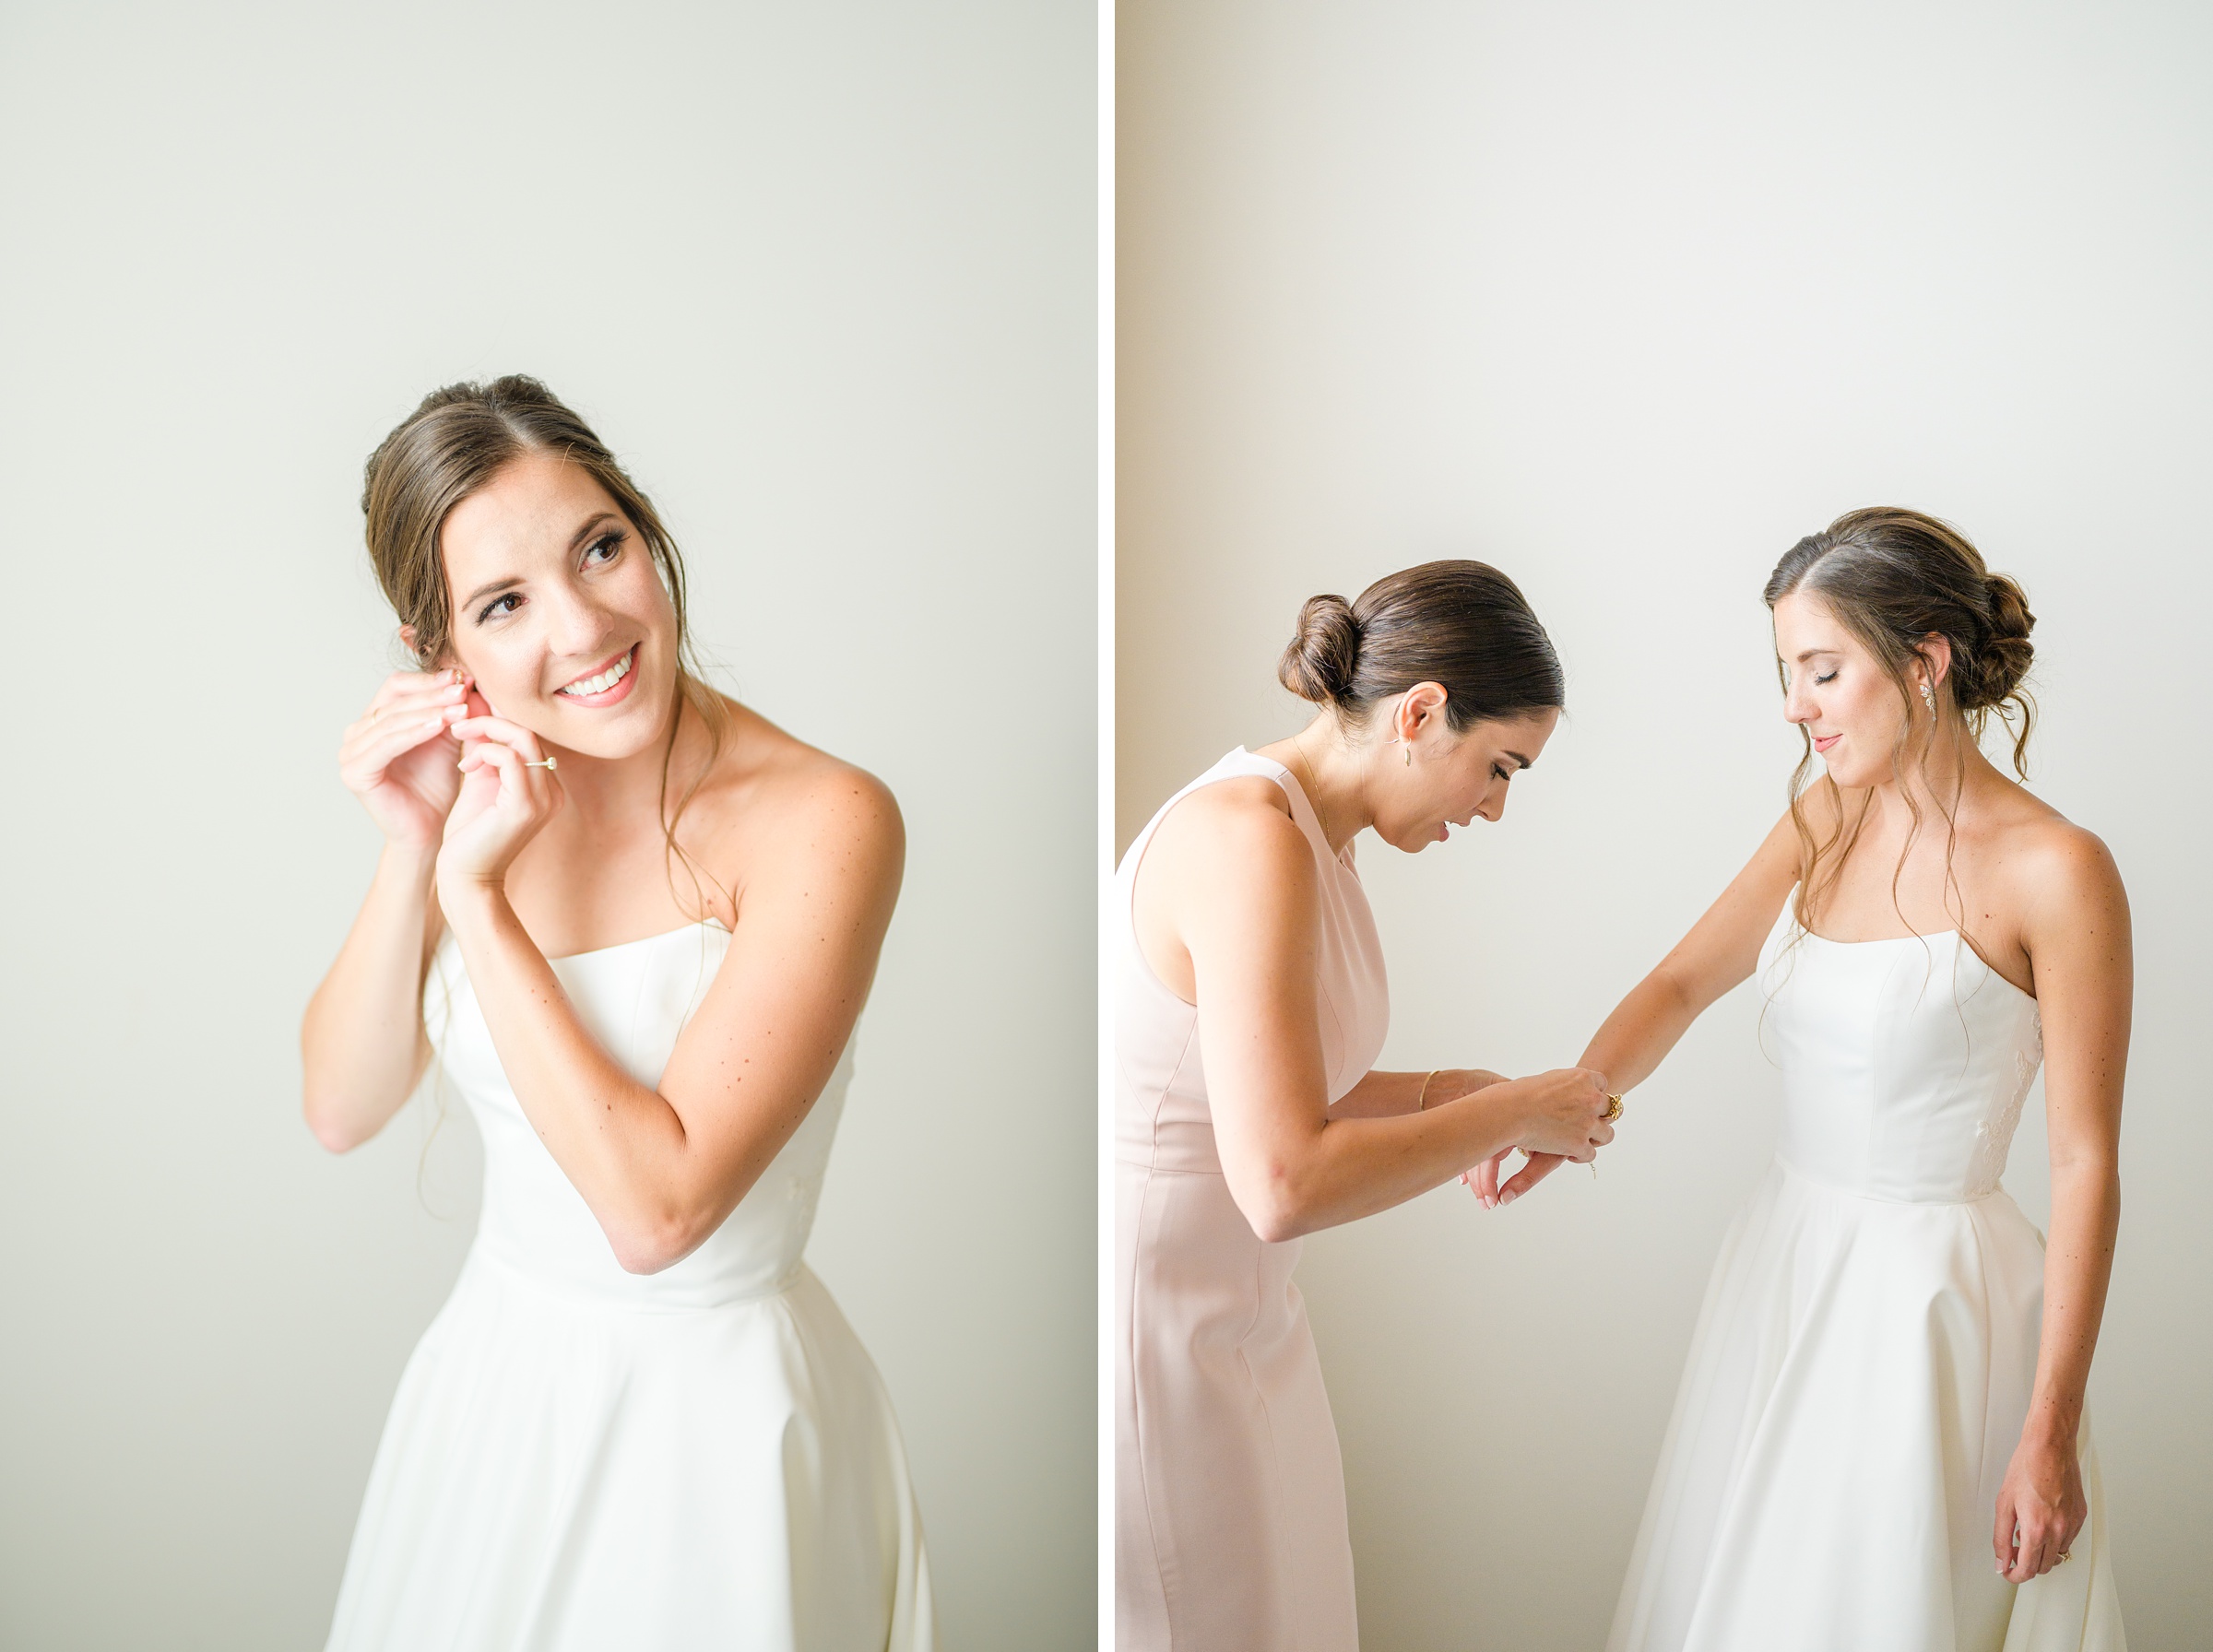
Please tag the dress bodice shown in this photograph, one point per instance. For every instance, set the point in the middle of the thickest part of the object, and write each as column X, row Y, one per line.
column 1905, row 1062
column 1162, row 1118
column 635, row 999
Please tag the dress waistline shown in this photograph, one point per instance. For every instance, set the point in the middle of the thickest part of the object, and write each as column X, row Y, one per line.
column 1801, row 1174
column 485, row 1257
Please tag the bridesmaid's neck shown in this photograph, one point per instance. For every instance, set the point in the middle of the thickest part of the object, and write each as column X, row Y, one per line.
column 1331, row 769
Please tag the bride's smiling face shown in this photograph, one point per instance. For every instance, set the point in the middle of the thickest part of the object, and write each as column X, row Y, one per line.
column 1839, row 692
column 558, row 610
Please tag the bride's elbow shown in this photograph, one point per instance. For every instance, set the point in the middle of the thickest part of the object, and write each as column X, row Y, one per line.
column 330, row 1122
column 652, row 1241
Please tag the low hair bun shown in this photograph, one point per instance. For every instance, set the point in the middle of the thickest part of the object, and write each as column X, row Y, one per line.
column 2006, row 653
column 1322, row 660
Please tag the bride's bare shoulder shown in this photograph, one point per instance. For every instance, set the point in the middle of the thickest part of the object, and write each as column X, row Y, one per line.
column 2057, row 868
column 770, row 794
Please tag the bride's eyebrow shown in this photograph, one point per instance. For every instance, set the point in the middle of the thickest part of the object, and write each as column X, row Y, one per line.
column 591, row 528
column 494, row 588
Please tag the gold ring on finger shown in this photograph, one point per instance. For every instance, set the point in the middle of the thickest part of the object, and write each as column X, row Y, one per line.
column 550, row 762
column 1612, row 1110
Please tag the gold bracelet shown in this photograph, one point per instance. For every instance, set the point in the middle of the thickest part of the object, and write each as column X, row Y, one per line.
column 1421, row 1099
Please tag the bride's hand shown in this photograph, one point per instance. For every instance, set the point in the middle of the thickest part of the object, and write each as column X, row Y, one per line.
column 1562, row 1121
column 2040, row 1509
column 1483, row 1180
column 398, row 759
column 508, row 792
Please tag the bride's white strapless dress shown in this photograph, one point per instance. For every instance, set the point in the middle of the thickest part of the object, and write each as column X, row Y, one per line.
column 579, row 1457
column 1863, row 1362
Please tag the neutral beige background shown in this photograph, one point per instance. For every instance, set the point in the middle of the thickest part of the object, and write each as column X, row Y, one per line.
column 1625, row 298
column 824, row 274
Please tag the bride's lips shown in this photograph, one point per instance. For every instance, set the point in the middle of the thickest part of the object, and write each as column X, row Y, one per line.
column 608, row 696
column 1823, row 742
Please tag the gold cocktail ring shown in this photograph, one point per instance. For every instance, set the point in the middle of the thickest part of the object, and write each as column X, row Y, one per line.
column 550, row 763
column 1612, row 1110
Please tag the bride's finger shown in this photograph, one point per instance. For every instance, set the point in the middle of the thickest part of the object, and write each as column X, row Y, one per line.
column 376, row 748
column 380, row 743
column 414, row 704
column 514, row 770
column 500, row 732
column 1483, row 1181
column 402, row 686
column 1539, row 1166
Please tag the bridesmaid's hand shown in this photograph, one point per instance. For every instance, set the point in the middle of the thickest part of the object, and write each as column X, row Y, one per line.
column 2040, row 1509
column 398, row 759
column 507, row 795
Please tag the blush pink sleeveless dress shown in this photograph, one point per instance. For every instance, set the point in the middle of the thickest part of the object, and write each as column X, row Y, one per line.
column 1229, row 1494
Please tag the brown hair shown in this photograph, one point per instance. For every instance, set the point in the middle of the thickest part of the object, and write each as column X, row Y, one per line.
column 452, row 445
column 1894, row 578
column 1462, row 625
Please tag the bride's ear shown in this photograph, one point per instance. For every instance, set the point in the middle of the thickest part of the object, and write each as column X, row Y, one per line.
column 1936, row 653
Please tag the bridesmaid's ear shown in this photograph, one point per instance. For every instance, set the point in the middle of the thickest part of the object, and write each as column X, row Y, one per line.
column 1419, row 707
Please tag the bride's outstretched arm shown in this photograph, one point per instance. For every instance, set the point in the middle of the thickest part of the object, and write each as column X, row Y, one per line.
column 1722, row 949
column 2076, row 934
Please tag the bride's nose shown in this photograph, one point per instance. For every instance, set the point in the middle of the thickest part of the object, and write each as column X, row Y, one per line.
column 580, row 626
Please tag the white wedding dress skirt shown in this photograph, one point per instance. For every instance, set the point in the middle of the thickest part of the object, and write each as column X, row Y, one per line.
column 581, row 1459
column 1863, row 1365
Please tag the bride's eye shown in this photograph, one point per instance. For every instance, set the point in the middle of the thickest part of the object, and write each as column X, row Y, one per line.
column 1831, row 678
column 494, row 610
column 1501, row 773
column 605, row 549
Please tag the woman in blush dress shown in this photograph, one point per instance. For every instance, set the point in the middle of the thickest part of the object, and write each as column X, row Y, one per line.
column 639, row 1420
column 1249, row 1003
column 1880, row 1439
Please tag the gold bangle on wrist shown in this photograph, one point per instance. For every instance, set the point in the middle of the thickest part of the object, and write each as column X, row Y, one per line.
column 1421, row 1098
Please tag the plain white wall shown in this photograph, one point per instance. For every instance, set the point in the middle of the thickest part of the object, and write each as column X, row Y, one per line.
column 1625, row 298
column 825, row 275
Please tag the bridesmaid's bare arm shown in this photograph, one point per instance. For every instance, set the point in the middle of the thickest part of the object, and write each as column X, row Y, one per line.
column 1229, row 882
column 2077, row 934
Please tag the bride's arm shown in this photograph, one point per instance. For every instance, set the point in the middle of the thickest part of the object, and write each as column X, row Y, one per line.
column 1235, row 883
column 2076, row 934
column 661, row 1168
column 1721, row 950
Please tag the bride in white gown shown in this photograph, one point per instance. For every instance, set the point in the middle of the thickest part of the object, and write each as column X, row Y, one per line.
column 1880, row 1440
column 639, row 1420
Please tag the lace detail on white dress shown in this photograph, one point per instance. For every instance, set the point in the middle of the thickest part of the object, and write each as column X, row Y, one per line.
column 1993, row 1136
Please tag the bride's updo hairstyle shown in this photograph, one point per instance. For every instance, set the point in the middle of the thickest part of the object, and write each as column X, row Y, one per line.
column 1894, row 577
column 1462, row 625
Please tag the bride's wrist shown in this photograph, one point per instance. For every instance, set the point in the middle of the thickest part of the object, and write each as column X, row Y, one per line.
column 468, row 899
column 413, row 863
column 2051, row 1427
